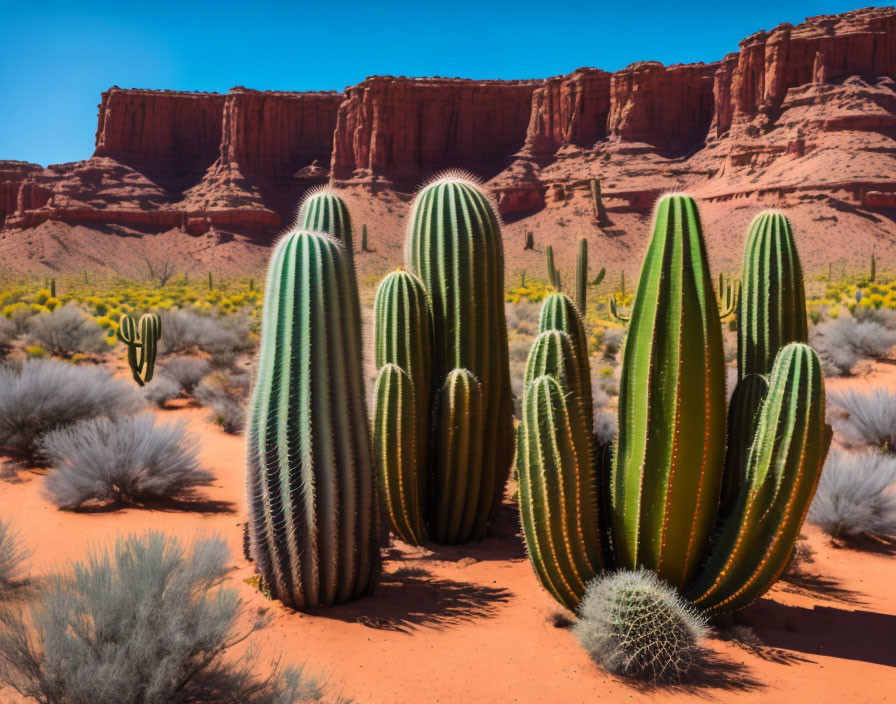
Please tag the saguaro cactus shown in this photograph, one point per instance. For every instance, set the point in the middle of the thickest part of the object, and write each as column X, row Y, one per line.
column 310, row 477
column 142, row 339
column 550, row 269
column 582, row 276
column 669, row 456
column 783, row 469
column 454, row 246
column 773, row 298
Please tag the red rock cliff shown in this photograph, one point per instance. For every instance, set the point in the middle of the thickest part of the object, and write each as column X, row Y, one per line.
column 403, row 129
column 156, row 129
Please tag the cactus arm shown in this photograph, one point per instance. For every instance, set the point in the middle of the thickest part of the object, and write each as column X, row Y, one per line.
column 730, row 294
column 615, row 313
column 559, row 313
column 600, row 277
column 784, row 466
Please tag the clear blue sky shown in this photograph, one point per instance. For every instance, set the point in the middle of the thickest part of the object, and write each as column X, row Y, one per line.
column 57, row 57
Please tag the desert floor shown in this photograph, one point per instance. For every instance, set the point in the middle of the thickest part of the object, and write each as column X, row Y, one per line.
column 471, row 623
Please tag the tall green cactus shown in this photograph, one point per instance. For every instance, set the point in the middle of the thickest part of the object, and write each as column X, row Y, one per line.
column 743, row 418
column 323, row 210
column 582, row 276
column 559, row 313
column 142, row 339
column 773, row 297
column 403, row 339
column 558, row 487
column 670, row 449
column 454, row 247
column 783, row 469
column 313, row 516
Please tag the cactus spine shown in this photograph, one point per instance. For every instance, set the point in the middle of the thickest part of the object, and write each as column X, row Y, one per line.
column 582, row 276
column 773, row 298
column 403, row 339
column 310, row 478
column 783, row 469
column 454, row 246
column 142, row 339
column 670, row 449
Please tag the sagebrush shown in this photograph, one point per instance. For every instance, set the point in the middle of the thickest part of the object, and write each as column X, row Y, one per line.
column 147, row 621
column 129, row 459
column 843, row 342
column 870, row 417
column 67, row 331
column 12, row 557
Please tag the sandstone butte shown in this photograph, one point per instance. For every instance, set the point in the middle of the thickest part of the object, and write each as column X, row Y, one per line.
column 801, row 117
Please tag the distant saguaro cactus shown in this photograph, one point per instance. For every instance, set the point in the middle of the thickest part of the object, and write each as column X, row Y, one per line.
column 142, row 339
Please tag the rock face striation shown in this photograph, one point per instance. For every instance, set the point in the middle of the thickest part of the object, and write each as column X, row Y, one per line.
column 801, row 111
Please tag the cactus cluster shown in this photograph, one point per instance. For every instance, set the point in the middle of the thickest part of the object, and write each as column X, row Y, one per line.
column 142, row 340
column 442, row 323
column 716, row 525
column 313, row 511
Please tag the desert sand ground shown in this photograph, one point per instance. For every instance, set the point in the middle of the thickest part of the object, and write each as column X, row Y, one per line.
column 471, row 623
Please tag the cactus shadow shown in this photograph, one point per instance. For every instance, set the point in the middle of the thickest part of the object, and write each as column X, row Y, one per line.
column 848, row 634
column 183, row 504
column 709, row 674
column 410, row 598
column 819, row 587
column 504, row 541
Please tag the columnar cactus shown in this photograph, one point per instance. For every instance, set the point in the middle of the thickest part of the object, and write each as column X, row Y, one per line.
column 559, row 313
column 455, row 256
column 773, row 298
column 322, row 210
column 313, row 518
column 403, row 339
column 558, row 487
column 743, row 418
column 553, row 276
column 142, row 340
column 669, row 456
column 783, row 469
column 582, row 276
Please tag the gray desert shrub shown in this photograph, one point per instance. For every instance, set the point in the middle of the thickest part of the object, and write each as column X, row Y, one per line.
column 612, row 341
column 185, row 331
column 44, row 394
column 188, row 371
column 67, row 331
column 224, row 394
column 148, row 621
column 161, row 389
column 8, row 334
column 523, row 317
column 881, row 316
column 12, row 557
column 635, row 625
column 870, row 418
column 843, row 342
column 856, row 495
column 130, row 459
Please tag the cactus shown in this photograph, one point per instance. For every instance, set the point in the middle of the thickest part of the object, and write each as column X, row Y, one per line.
column 600, row 277
column 396, row 444
column 558, row 486
column 559, row 313
column 622, row 283
column 783, row 468
column 529, row 241
column 251, row 284
column 142, row 339
column 365, row 247
column 582, row 276
column 871, row 276
column 403, row 339
column 53, row 287
column 210, row 281
column 670, row 449
column 322, row 210
column 553, row 276
column 310, row 479
column 454, row 246
column 615, row 313
column 729, row 294
column 597, row 201
column 773, row 299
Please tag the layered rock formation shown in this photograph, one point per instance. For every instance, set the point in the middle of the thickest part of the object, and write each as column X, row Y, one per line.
column 801, row 111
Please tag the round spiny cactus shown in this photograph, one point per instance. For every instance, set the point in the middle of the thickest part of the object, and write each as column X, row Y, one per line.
column 635, row 625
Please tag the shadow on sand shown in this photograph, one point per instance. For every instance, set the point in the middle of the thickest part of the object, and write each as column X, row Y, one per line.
column 411, row 598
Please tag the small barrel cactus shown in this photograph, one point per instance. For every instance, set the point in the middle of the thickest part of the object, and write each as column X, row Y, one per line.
column 142, row 340
column 313, row 512
column 635, row 625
